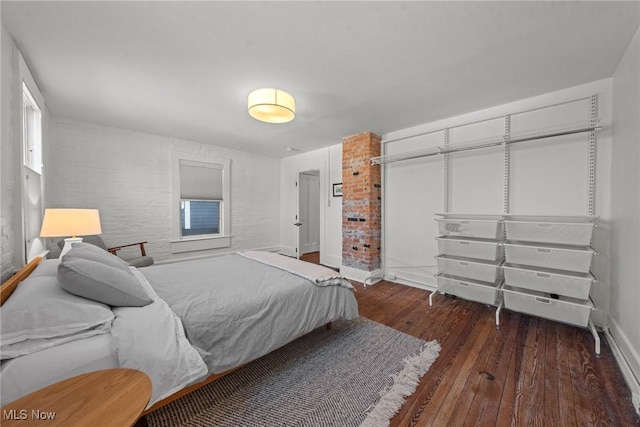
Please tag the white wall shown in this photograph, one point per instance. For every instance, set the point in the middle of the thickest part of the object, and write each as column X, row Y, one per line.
column 12, row 246
column 548, row 177
column 624, row 311
column 329, row 162
column 10, row 148
column 127, row 176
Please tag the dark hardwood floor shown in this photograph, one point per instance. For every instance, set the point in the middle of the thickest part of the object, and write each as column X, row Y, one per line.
column 530, row 372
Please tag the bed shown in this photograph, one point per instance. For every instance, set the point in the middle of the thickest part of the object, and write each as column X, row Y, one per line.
column 187, row 323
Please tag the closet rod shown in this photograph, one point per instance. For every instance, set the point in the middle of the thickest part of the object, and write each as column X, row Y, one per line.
column 505, row 140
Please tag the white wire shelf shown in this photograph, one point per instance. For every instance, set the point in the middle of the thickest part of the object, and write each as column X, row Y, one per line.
column 495, row 141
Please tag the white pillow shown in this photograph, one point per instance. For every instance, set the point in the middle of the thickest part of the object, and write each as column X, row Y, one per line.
column 100, row 282
column 40, row 314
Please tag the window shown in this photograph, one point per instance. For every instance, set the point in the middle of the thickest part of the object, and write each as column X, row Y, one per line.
column 201, row 194
column 31, row 131
column 31, row 112
column 199, row 217
column 200, row 198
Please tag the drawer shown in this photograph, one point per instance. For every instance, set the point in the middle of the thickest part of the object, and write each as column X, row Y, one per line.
column 574, row 233
column 564, row 309
column 486, row 271
column 470, row 248
column 473, row 290
column 575, row 285
column 479, row 228
column 550, row 256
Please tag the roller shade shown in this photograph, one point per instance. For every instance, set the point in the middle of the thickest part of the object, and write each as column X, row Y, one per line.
column 200, row 181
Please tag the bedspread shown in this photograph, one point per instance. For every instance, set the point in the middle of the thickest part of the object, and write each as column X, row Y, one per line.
column 238, row 309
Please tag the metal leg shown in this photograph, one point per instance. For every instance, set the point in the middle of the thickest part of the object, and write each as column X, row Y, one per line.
column 431, row 297
column 596, row 337
column 498, row 314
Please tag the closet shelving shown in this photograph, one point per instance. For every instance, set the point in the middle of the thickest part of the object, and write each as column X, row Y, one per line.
column 538, row 265
column 470, row 257
column 547, row 269
column 498, row 140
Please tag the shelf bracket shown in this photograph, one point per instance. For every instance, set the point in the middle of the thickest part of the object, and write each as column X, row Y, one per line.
column 507, row 158
column 446, row 171
column 593, row 118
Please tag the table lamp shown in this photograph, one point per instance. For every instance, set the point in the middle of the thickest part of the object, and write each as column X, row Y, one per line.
column 70, row 222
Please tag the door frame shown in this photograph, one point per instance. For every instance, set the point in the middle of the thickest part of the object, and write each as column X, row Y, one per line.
column 317, row 172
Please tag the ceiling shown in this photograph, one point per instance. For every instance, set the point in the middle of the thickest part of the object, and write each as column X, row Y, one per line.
column 184, row 69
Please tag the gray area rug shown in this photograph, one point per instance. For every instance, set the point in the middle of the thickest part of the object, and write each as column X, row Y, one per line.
column 356, row 374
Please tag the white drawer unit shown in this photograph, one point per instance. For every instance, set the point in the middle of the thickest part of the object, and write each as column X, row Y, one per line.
column 478, row 228
column 474, row 290
column 566, row 283
column 470, row 248
column 486, row 271
column 559, row 257
column 563, row 309
column 470, row 255
column 547, row 269
column 566, row 233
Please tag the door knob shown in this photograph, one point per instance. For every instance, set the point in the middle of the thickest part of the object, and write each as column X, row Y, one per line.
column 297, row 224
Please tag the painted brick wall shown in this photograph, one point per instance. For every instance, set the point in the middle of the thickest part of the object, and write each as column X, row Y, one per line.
column 10, row 148
column 361, row 204
column 127, row 176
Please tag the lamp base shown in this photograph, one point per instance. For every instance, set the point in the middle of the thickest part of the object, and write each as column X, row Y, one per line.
column 67, row 244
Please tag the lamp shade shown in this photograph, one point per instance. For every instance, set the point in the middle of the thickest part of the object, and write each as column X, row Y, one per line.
column 70, row 222
column 271, row 105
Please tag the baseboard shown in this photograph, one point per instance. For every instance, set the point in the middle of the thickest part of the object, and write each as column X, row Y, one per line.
column 626, row 358
column 358, row 275
column 417, row 280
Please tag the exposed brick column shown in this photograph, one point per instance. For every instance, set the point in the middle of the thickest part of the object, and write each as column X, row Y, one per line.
column 361, row 204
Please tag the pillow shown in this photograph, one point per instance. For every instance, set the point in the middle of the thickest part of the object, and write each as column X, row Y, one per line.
column 103, row 283
column 94, row 253
column 40, row 314
column 46, row 267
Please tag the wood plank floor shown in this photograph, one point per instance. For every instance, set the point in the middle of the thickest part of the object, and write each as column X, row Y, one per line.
column 531, row 372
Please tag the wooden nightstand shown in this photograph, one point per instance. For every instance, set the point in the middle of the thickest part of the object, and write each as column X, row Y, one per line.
column 112, row 397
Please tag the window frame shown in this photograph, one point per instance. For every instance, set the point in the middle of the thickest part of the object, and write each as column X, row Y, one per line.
column 179, row 243
column 31, row 244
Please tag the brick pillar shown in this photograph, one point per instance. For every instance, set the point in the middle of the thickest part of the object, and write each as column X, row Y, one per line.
column 361, row 202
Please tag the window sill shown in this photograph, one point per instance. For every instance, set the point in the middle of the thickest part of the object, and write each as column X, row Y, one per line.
column 200, row 244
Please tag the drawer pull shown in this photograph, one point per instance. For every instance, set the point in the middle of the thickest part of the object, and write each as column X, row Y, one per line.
column 543, row 300
column 464, row 243
column 463, row 263
column 463, row 284
column 543, row 275
column 544, row 251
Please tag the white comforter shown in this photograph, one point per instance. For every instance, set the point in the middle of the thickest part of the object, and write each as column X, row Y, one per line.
column 151, row 339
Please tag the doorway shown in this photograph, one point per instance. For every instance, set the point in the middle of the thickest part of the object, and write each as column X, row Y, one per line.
column 308, row 212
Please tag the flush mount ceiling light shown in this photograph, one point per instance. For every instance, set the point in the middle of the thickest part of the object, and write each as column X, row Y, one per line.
column 271, row 105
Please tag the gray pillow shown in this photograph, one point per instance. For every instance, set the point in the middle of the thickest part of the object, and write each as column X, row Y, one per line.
column 94, row 253
column 40, row 314
column 103, row 283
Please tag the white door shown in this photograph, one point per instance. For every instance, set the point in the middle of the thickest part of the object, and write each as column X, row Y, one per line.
column 308, row 217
